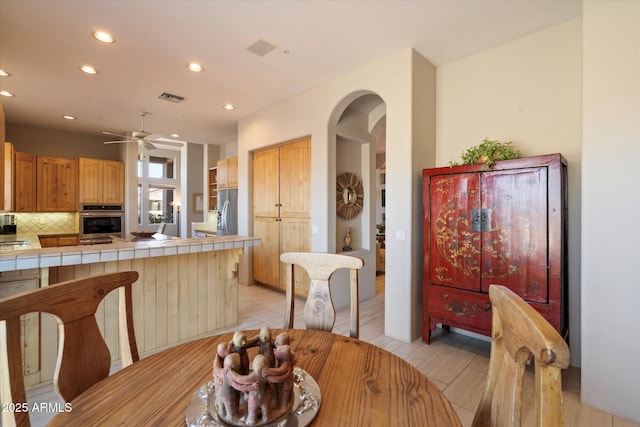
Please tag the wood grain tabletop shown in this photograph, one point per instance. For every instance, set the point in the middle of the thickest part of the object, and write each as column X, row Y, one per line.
column 361, row 385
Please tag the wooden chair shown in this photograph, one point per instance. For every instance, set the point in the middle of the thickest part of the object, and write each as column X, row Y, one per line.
column 319, row 312
column 83, row 355
column 520, row 333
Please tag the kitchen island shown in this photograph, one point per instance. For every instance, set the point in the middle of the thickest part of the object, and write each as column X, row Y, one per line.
column 187, row 288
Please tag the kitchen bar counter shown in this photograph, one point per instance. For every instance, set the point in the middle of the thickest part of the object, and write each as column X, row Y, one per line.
column 187, row 288
column 151, row 239
column 20, row 257
column 25, row 242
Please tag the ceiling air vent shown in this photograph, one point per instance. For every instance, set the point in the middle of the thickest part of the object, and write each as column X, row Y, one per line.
column 261, row 47
column 165, row 96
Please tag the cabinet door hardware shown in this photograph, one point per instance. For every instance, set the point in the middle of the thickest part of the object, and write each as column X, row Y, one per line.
column 481, row 219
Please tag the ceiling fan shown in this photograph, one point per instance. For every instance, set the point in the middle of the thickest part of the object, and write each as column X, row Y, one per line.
column 142, row 137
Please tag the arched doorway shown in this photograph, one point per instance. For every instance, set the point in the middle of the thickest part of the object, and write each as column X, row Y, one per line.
column 359, row 129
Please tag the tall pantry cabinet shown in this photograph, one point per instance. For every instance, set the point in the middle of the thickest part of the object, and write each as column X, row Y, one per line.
column 281, row 207
column 506, row 225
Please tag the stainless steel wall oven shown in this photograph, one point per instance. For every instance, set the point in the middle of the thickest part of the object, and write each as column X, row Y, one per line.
column 99, row 222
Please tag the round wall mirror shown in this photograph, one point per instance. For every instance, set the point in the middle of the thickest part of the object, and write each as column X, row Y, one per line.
column 349, row 195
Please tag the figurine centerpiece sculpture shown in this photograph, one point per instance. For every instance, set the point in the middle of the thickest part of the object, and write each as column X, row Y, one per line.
column 256, row 393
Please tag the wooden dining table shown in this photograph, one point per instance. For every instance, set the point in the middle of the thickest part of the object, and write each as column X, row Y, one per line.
column 360, row 385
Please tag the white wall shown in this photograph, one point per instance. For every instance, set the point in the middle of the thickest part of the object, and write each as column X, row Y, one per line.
column 527, row 91
column 311, row 113
column 228, row 150
column 422, row 155
column 194, row 185
column 610, row 207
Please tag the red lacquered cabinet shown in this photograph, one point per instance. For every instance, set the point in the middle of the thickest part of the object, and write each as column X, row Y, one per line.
column 506, row 225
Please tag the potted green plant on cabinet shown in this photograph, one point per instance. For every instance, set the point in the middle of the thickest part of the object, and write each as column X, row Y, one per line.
column 488, row 152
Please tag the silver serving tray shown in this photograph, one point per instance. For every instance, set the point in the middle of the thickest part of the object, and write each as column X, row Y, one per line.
column 306, row 404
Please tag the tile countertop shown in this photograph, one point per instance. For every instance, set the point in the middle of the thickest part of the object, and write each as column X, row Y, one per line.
column 31, row 255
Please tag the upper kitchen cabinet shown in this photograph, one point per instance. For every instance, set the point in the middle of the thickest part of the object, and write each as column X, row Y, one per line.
column 9, row 168
column 227, row 173
column 101, row 181
column 213, row 189
column 25, row 182
column 266, row 178
column 2, row 172
column 57, row 184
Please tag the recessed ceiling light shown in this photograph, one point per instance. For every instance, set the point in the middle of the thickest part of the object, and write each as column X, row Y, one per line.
column 88, row 69
column 174, row 135
column 6, row 93
column 195, row 67
column 103, row 36
column 68, row 117
column 229, row 107
column 4, row 73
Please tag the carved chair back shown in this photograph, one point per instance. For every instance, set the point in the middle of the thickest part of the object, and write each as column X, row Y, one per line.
column 83, row 356
column 520, row 334
column 319, row 311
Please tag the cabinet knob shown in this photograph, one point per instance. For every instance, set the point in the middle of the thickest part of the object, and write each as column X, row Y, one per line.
column 488, row 306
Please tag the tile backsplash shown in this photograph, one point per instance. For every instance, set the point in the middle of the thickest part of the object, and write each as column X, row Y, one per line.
column 47, row 222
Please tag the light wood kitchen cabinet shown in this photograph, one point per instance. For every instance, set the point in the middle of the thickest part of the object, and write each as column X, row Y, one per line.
column 295, row 179
column 266, row 183
column 101, row 181
column 9, row 168
column 57, row 184
column 25, row 182
column 213, row 189
column 2, row 172
column 227, row 173
column 281, row 189
column 266, row 265
column 58, row 240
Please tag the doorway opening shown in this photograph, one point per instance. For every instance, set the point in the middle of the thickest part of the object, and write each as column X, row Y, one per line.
column 361, row 150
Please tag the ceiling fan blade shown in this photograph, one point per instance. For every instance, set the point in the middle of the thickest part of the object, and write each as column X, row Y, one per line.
column 115, row 134
column 167, row 142
column 117, row 142
column 148, row 144
column 173, row 144
column 153, row 136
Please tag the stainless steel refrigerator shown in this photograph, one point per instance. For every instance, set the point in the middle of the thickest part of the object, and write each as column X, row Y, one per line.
column 227, row 212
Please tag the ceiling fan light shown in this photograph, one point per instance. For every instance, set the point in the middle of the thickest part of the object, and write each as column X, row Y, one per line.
column 88, row 69
column 103, row 36
column 195, row 67
column 6, row 93
column 229, row 107
column 4, row 73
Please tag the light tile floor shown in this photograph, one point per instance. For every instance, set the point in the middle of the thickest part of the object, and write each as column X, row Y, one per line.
column 456, row 363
